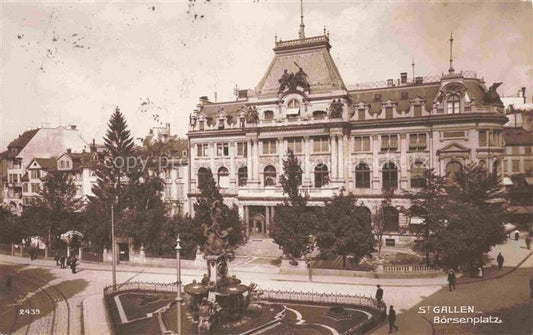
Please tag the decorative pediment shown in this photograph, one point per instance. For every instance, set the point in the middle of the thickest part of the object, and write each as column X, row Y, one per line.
column 453, row 148
column 418, row 100
column 455, row 88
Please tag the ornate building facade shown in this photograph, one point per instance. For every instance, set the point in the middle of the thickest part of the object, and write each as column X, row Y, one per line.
column 370, row 139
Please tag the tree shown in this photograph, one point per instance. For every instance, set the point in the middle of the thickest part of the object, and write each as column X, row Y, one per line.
column 210, row 198
column 294, row 222
column 431, row 204
column 11, row 227
column 344, row 229
column 56, row 209
column 378, row 219
column 475, row 218
column 111, row 171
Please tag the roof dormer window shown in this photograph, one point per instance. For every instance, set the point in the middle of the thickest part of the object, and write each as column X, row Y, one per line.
column 453, row 104
column 293, row 107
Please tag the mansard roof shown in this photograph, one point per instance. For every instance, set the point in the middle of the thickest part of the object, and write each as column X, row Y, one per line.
column 231, row 109
column 312, row 55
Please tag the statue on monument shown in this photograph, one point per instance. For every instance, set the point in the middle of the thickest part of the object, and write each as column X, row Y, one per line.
column 491, row 96
column 293, row 80
column 217, row 243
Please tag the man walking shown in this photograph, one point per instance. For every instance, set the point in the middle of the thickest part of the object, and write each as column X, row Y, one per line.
column 392, row 319
column 528, row 242
column 73, row 261
column 379, row 295
column 499, row 259
column 451, row 280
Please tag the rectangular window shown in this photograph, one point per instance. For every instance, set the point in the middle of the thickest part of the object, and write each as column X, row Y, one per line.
column 269, row 147
column 61, row 164
column 362, row 143
column 241, row 149
column 201, row 125
column 417, row 142
column 528, row 150
column 516, row 150
column 528, row 165
column 295, row 145
column 25, row 187
column 515, row 166
column 417, row 110
column 482, row 138
column 361, row 114
column 404, row 95
column 34, row 174
column 35, row 188
column 202, row 150
column 222, row 149
column 388, row 112
column 321, row 144
column 389, row 142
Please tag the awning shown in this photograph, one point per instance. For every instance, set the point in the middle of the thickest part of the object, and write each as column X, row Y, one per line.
column 293, row 111
column 507, row 181
column 417, row 220
column 509, row 227
column 529, row 180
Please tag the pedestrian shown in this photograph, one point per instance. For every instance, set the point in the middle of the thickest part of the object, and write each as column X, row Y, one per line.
column 62, row 261
column 516, row 235
column 309, row 270
column 379, row 295
column 73, row 263
column 499, row 259
column 392, row 319
column 451, row 280
column 528, row 242
column 56, row 258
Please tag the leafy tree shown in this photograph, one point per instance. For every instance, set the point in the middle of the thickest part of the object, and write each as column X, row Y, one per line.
column 210, row 198
column 294, row 222
column 11, row 227
column 431, row 204
column 475, row 218
column 378, row 219
column 344, row 230
column 55, row 211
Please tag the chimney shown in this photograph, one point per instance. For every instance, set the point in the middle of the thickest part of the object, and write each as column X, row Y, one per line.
column 69, row 150
column 73, row 127
column 243, row 95
column 419, row 80
column 403, row 78
column 204, row 100
column 390, row 82
column 524, row 94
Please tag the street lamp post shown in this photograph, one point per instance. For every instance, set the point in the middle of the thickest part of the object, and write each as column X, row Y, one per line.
column 113, row 251
column 178, row 296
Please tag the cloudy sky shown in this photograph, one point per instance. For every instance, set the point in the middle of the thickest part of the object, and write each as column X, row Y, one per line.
column 72, row 62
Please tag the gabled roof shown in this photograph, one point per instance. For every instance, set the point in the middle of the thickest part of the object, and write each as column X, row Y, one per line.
column 517, row 136
column 45, row 163
column 21, row 141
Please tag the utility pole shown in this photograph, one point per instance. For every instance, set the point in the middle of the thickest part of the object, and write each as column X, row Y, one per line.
column 178, row 283
column 113, row 251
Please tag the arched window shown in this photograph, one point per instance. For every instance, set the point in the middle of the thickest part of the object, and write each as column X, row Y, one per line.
column 452, row 168
column 269, row 115
column 223, row 177
column 391, row 219
column 365, row 215
column 242, row 175
column 321, row 175
column 453, row 104
column 418, row 178
column 202, row 177
column 269, row 175
column 390, row 176
column 362, row 176
column 294, row 103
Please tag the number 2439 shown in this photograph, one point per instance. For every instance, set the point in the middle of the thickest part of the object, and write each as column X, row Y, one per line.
column 29, row 311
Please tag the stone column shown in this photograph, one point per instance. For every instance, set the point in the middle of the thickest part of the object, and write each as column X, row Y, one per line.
column 246, row 219
column 333, row 155
column 307, row 160
column 375, row 163
column 267, row 220
column 403, row 168
column 340, row 164
column 249, row 159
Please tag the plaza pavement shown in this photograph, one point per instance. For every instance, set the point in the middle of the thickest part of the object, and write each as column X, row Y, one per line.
column 404, row 294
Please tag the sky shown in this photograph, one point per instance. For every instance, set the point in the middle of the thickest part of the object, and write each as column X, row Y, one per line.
column 74, row 62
